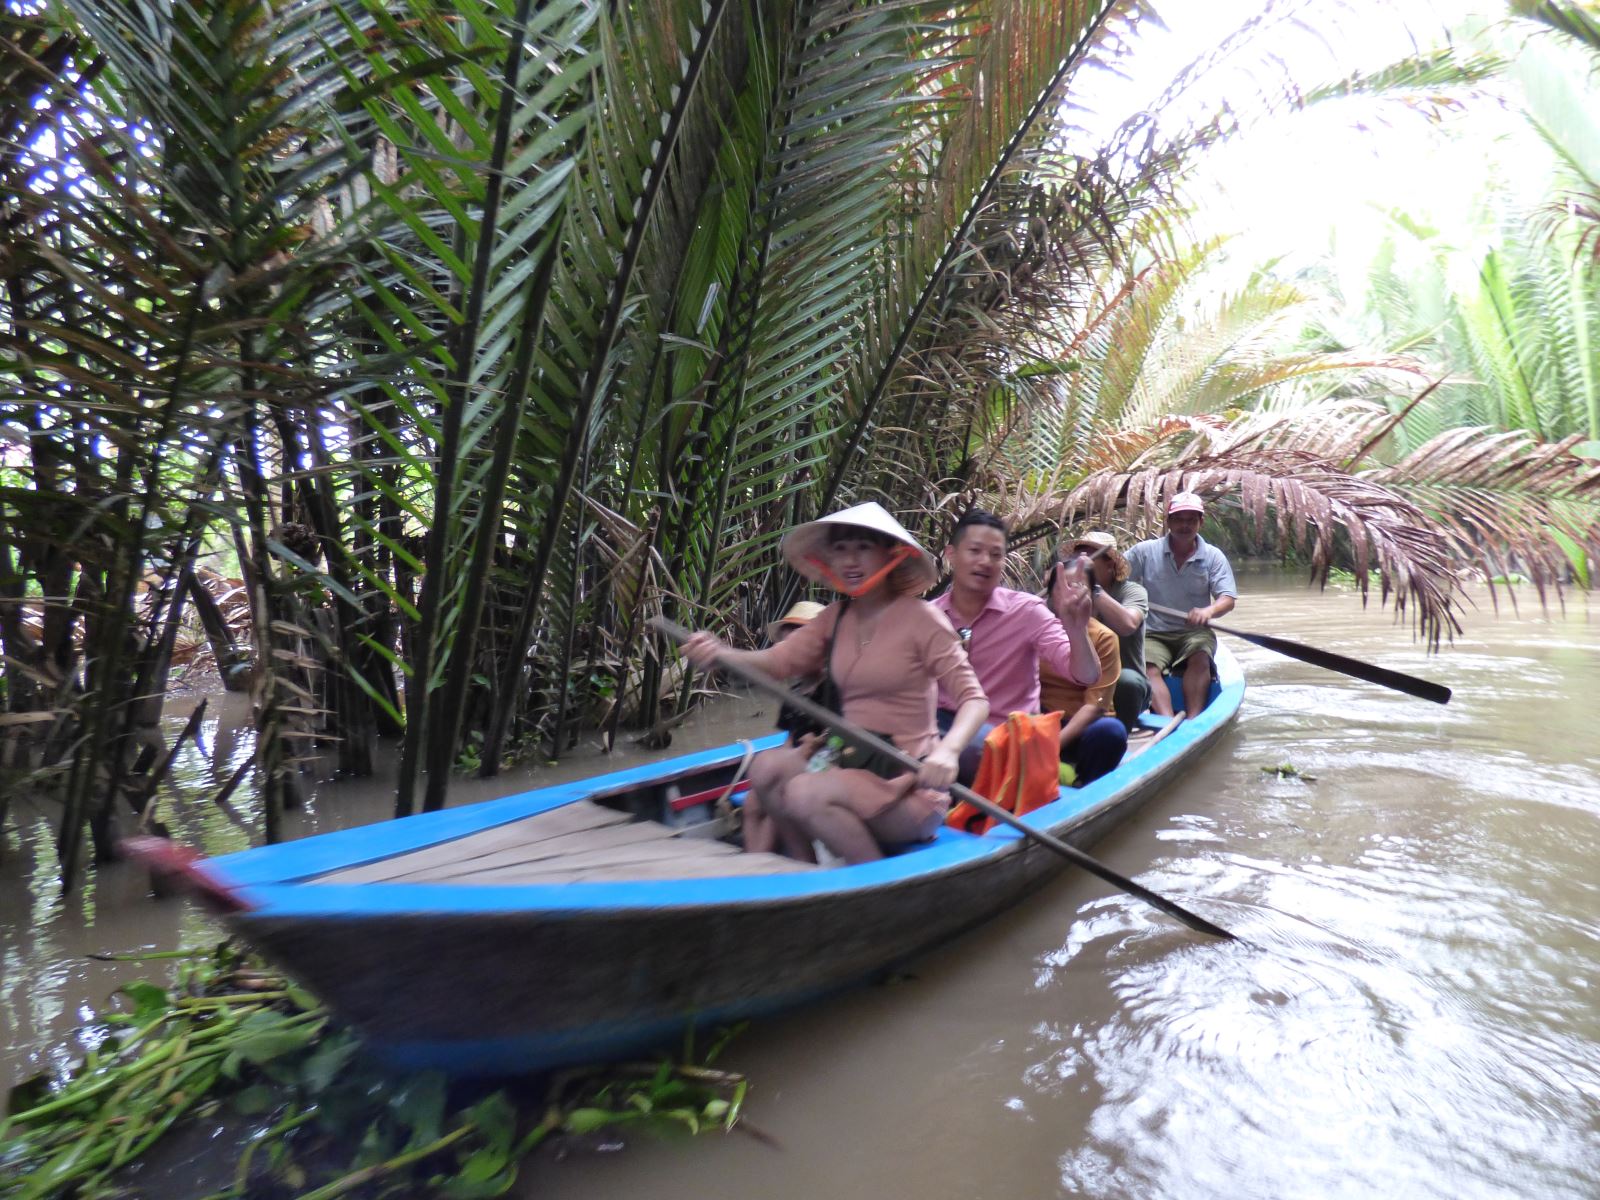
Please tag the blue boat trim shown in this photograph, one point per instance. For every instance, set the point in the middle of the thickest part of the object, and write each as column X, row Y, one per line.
column 268, row 877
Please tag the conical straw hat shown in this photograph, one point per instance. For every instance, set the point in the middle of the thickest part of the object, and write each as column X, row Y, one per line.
column 805, row 546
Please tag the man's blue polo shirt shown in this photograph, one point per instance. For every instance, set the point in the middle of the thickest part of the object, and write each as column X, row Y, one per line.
column 1203, row 576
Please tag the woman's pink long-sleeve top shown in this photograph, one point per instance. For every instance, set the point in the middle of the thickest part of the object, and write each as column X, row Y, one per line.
column 890, row 685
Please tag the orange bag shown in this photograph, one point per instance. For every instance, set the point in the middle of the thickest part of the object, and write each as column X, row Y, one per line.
column 1020, row 771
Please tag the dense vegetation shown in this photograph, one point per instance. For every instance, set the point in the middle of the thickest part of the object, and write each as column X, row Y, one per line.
column 472, row 334
column 231, row 1048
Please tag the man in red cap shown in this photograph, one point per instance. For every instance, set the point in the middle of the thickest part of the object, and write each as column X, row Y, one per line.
column 1182, row 571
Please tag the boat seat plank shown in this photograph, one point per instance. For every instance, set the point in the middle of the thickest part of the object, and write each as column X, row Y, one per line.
column 568, row 819
column 595, row 856
column 609, row 837
column 643, row 846
column 576, row 842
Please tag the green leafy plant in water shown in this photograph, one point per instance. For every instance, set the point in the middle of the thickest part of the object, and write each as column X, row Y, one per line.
column 229, row 1033
column 170, row 1057
column 664, row 1097
column 1289, row 771
column 471, row 756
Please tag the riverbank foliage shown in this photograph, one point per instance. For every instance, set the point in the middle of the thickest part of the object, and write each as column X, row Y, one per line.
column 467, row 336
column 233, row 1045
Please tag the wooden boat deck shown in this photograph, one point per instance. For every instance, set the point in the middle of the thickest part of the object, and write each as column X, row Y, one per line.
column 579, row 842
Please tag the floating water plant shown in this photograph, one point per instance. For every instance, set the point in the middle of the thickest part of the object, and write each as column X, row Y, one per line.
column 1289, row 771
column 232, row 1039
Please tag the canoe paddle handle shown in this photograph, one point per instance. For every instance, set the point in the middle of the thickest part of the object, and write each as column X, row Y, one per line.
column 866, row 740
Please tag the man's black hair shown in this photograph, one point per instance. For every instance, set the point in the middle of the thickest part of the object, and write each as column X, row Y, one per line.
column 975, row 517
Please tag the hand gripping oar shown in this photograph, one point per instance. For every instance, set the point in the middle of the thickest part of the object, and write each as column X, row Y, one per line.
column 870, row 741
column 1409, row 684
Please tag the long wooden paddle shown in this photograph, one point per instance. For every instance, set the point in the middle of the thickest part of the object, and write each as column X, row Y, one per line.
column 871, row 741
column 1409, row 684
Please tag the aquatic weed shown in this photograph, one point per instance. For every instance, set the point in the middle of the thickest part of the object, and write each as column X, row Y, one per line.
column 1288, row 771
column 232, row 1037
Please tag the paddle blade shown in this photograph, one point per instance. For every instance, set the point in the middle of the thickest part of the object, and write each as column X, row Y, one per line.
column 1422, row 689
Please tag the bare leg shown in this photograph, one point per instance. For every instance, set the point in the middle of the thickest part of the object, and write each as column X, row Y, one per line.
column 834, row 807
column 1160, row 697
column 828, row 817
column 769, row 772
column 1196, row 682
column 793, row 840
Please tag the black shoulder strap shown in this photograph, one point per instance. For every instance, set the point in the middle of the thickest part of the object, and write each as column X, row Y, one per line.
column 827, row 665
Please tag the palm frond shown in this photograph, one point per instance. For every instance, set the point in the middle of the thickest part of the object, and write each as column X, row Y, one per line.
column 1511, row 504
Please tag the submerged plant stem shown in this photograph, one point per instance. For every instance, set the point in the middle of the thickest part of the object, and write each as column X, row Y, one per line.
column 367, row 1174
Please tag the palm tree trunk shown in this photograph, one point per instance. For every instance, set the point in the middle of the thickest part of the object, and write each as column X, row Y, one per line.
column 224, row 651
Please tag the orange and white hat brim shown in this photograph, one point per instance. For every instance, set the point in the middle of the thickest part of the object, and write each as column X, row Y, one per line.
column 805, row 546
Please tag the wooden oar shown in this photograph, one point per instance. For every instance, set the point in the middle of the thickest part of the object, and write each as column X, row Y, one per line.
column 1172, row 724
column 871, row 741
column 1422, row 689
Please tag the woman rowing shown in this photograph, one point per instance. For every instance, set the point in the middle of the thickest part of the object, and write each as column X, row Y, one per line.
column 886, row 652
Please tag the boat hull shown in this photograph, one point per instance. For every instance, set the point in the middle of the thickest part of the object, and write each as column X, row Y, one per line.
column 492, row 980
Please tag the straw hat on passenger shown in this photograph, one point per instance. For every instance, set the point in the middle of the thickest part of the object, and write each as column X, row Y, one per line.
column 805, row 546
column 1097, row 541
column 802, row 612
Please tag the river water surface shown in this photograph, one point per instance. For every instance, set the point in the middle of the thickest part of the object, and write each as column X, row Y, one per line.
column 1415, row 1011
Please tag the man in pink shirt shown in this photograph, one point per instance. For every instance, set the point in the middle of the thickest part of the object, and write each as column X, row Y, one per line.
column 1008, row 633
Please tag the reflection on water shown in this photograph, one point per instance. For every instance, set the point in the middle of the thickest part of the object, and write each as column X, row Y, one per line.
column 1413, row 1013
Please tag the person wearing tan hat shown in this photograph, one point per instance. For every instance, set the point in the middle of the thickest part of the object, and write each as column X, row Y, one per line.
column 790, row 719
column 1121, row 605
column 1182, row 571
column 801, row 612
column 887, row 652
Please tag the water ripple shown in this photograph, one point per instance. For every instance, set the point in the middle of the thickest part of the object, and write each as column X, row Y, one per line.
column 1220, row 1055
column 1389, row 1014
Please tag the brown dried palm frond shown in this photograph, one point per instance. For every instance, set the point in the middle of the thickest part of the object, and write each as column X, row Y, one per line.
column 1583, row 210
column 1471, row 501
column 1304, row 500
column 1034, row 368
column 1508, row 503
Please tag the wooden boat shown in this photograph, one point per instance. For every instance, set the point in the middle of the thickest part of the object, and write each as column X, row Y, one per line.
column 590, row 919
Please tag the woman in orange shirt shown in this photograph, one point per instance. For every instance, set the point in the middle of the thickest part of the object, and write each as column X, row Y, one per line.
column 1091, row 740
column 886, row 651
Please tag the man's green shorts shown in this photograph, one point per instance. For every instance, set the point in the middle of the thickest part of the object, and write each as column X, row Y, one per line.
column 1170, row 650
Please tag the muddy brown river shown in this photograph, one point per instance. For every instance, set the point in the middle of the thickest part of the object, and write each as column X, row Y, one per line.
column 1416, row 1012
